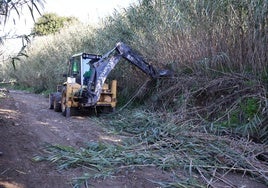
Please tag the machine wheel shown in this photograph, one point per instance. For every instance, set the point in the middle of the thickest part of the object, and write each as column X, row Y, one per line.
column 56, row 102
column 105, row 109
column 66, row 111
column 51, row 101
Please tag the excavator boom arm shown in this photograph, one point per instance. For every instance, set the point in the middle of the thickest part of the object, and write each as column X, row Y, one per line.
column 104, row 66
column 136, row 60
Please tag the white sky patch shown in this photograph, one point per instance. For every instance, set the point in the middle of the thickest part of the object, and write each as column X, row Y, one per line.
column 87, row 11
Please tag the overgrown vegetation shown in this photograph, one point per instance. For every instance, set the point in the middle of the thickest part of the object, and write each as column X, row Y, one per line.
column 218, row 52
column 187, row 36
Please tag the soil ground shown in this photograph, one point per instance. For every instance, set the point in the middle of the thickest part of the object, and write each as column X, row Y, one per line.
column 26, row 124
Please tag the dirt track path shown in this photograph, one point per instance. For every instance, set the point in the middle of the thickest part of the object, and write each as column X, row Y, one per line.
column 26, row 124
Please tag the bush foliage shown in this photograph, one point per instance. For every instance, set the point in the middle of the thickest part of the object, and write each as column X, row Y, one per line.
column 51, row 23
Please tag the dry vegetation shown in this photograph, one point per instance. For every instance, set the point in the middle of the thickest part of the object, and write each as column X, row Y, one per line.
column 204, row 119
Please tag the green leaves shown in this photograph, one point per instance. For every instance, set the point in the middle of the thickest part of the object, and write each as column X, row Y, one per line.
column 51, row 23
column 6, row 7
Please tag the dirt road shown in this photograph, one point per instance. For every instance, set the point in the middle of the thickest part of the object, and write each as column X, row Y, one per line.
column 26, row 124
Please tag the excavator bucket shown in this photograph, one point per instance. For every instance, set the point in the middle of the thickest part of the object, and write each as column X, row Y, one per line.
column 165, row 73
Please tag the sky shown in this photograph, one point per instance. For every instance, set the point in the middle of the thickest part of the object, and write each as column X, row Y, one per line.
column 87, row 11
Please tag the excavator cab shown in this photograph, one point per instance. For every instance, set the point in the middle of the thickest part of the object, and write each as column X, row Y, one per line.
column 81, row 65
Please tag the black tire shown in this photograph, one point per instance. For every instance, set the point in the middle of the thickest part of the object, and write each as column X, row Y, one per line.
column 51, row 101
column 105, row 109
column 66, row 111
column 57, row 102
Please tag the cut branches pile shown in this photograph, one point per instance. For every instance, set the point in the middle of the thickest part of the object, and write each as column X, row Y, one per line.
column 149, row 140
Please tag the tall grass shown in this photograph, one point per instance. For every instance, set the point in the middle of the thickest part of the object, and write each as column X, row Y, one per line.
column 47, row 58
column 196, row 35
column 222, row 34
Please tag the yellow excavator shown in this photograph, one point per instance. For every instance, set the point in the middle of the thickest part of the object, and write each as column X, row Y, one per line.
column 85, row 87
